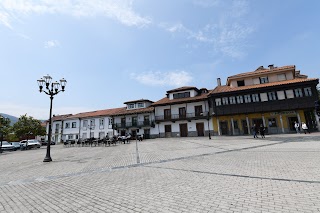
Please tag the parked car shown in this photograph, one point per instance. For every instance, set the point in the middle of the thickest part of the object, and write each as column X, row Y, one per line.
column 16, row 145
column 30, row 144
column 6, row 146
column 44, row 143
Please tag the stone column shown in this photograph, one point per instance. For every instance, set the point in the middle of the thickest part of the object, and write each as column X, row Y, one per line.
column 248, row 125
column 232, row 126
column 281, row 121
column 263, row 120
column 218, row 126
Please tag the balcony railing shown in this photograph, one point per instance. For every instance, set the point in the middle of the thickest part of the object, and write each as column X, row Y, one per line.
column 187, row 116
column 138, row 124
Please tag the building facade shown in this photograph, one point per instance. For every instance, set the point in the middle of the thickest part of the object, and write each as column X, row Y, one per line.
column 137, row 118
column 184, row 112
column 274, row 97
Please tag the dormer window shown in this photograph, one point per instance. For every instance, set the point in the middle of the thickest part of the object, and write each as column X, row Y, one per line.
column 130, row 106
column 181, row 95
column 140, row 105
column 264, row 80
column 240, row 83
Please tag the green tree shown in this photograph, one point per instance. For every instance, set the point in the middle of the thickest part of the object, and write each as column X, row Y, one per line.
column 4, row 129
column 27, row 126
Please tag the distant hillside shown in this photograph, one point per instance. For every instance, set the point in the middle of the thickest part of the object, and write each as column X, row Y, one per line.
column 13, row 119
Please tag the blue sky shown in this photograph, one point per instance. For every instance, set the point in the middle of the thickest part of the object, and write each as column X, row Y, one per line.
column 115, row 51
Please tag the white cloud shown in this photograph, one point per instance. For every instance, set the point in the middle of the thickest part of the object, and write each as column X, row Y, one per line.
column 175, row 78
column 51, row 44
column 120, row 10
column 228, row 35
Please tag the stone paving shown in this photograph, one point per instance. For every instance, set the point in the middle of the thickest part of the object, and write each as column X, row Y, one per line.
column 280, row 173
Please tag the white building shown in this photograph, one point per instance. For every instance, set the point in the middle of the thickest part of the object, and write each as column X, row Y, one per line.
column 184, row 112
column 85, row 125
column 137, row 118
column 57, row 122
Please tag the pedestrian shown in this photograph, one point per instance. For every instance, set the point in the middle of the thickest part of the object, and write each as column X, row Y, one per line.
column 296, row 126
column 255, row 131
column 262, row 130
column 305, row 128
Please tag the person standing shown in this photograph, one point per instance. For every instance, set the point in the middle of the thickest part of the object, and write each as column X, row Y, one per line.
column 305, row 128
column 255, row 131
column 262, row 130
column 296, row 126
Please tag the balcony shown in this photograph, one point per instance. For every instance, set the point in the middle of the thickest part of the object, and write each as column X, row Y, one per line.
column 139, row 124
column 187, row 116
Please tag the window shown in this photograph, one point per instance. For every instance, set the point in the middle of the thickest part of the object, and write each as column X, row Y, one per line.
column 239, row 99
column 272, row 96
column 181, row 95
column 92, row 124
column 298, row 92
column 67, row 125
column 182, row 112
column 134, row 121
column 130, row 106
column 255, row 97
column 225, row 101
column 264, row 80
column 167, row 114
column 272, row 122
column 57, row 126
column 140, row 105
column 308, row 91
column 240, row 83
column 110, row 121
column 263, row 97
column 218, row 101
column 289, row 93
column 247, row 98
column 198, row 110
column 232, row 100
column 77, row 136
column 282, row 77
column 281, row 95
column 101, row 122
column 74, row 124
column 70, row 137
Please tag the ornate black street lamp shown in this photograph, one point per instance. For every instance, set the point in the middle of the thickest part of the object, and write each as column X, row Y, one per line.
column 51, row 89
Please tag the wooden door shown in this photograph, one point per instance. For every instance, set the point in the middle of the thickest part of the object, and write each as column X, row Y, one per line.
column 224, row 127
column 146, row 134
column 167, row 131
column 182, row 112
column 245, row 127
column 200, row 129
column 183, row 130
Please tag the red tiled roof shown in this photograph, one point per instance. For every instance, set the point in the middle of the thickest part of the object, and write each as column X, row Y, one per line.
column 223, row 89
column 124, row 111
column 181, row 89
column 259, row 71
column 141, row 100
column 60, row 117
column 165, row 101
column 97, row 113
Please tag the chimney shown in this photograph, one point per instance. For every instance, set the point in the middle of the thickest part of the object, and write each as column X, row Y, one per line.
column 219, row 81
column 271, row 66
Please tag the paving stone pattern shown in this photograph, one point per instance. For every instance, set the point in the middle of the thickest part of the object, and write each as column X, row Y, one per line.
column 280, row 173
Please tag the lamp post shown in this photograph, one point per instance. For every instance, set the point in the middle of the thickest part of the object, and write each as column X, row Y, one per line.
column 51, row 89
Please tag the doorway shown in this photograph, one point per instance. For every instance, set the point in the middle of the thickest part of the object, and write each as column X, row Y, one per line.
column 291, row 122
column 245, row 127
column 200, row 128
column 146, row 134
column 183, row 130
column 167, row 131
column 224, row 127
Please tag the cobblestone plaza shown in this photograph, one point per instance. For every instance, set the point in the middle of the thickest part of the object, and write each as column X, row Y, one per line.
column 280, row 173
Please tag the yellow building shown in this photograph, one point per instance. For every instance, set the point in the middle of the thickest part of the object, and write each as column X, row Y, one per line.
column 274, row 97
